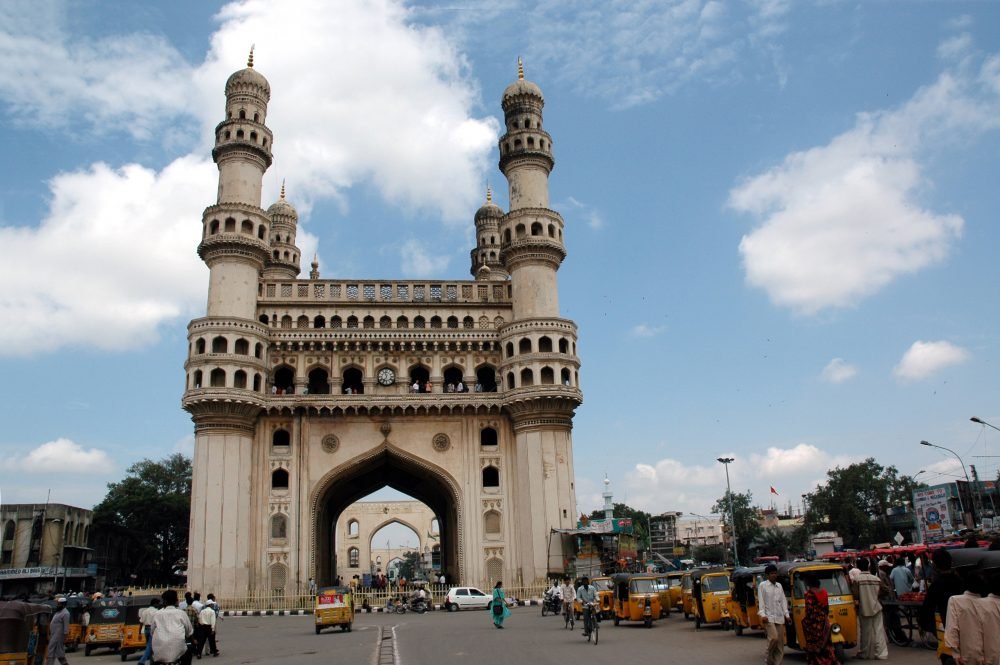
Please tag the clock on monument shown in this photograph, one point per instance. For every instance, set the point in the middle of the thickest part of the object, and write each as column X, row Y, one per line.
column 386, row 376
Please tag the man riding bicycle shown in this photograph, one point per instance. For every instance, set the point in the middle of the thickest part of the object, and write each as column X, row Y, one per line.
column 588, row 597
column 568, row 596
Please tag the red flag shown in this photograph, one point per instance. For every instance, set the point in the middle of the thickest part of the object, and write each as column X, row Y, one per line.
column 774, row 491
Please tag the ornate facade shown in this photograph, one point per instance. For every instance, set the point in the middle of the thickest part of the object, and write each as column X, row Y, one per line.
column 309, row 394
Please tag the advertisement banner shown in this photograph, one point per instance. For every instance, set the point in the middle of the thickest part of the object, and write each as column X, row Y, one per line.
column 933, row 517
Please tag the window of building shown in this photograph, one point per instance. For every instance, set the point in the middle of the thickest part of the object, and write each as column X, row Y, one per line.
column 199, row 346
column 279, row 527
column 220, row 345
column 527, row 378
column 353, row 383
column 524, row 346
column 548, row 377
column 544, row 345
column 486, row 379
column 240, row 379
column 284, row 380
column 279, row 479
column 218, row 378
column 319, row 321
column 354, row 557
column 242, row 347
column 281, row 439
column 491, row 477
column 353, row 528
column 419, row 377
column 488, row 437
column 491, row 523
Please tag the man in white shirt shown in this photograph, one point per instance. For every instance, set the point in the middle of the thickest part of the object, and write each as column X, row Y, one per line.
column 773, row 608
column 146, row 615
column 206, row 626
column 963, row 633
column 171, row 629
column 568, row 596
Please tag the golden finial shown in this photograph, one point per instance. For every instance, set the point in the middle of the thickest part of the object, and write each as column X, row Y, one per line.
column 489, row 194
column 520, row 69
column 315, row 263
column 250, row 59
column 282, row 189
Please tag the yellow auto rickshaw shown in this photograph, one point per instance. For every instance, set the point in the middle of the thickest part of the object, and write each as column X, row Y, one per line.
column 133, row 635
column 687, row 597
column 663, row 588
column 107, row 624
column 744, row 583
column 635, row 599
column 832, row 578
column 676, row 592
column 20, row 634
column 710, row 589
column 77, row 606
column 604, row 598
column 334, row 607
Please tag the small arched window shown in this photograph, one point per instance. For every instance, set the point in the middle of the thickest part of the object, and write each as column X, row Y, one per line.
column 319, row 382
column 258, row 350
column 536, row 229
column 353, row 528
column 319, row 321
column 548, row 377
column 286, row 321
column 263, row 318
column 510, row 349
column 281, row 439
column 491, row 523
column 336, row 322
column 544, row 345
column 354, row 557
column 565, row 377
column 199, row 346
column 524, row 346
column 279, row 479
column 510, row 380
column 491, row 476
column 352, row 322
column 197, row 379
column 385, row 322
column 453, row 322
column 256, row 383
column 402, row 322
column 418, row 322
column 353, row 383
column 488, row 437
column 279, row 527
column 369, row 322
column 303, row 322
column 242, row 347
column 240, row 379
column 8, row 531
column 563, row 345
column 527, row 378
column 435, row 322
column 243, row 114
column 218, row 378
column 246, row 226
column 220, row 345
column 213, row 228
column 468, row 323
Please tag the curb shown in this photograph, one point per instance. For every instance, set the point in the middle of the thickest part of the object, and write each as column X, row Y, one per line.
column 534, row 602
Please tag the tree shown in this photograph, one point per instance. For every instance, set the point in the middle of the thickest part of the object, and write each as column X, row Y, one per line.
column 709, row 554
column 740, row 507
column 410, row 565
column 640, row 521
column 854, row 500
column 144, row 518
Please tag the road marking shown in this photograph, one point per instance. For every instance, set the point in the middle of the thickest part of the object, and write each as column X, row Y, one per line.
column 385, row 650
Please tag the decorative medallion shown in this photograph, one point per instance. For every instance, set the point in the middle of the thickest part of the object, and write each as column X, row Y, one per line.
column 441, row 442
column 385, row 428
column 331, row 443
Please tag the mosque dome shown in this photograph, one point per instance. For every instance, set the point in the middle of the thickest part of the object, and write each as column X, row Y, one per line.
column 282, row 207
column 248, row 78
column 489, row 210
column 521, row 86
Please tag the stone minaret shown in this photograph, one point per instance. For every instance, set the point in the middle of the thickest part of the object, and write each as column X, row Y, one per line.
column 226, row 365
column 540, row 378
column 486, row 263
column 283, row 263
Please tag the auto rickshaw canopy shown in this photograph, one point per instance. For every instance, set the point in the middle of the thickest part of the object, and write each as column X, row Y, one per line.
column 15, row 627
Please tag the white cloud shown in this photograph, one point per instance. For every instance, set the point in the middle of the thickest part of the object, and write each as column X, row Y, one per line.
column 923, row 359
column 955, row 47
column 115, row 256
column 646, row 330
column 113, row 260
column 417, row 260
column 185, row 445
column 671, row 484
column 838, row 371
column 64, row 456
column 841, row 221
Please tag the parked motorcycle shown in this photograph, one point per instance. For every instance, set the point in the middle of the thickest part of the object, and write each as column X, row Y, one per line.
column 418, row 605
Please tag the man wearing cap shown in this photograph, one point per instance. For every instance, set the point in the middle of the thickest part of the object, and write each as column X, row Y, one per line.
column 773, row 608
column 58, row 628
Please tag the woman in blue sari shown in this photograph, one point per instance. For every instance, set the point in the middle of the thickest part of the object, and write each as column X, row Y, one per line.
column 498, row 606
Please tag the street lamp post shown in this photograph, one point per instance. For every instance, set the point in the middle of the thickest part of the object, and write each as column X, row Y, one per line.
column 968, row 517
column 983, row 422
column 732, row 510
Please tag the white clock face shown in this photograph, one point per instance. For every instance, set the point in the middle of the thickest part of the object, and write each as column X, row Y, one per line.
column 386, row 376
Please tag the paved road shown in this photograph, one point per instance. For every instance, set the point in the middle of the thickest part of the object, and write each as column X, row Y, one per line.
column 442, row 638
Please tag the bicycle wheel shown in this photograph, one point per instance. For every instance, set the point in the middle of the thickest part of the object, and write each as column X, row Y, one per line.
column 596, row 631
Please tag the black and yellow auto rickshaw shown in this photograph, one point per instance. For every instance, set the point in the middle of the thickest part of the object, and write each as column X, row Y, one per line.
column 674, row 580
column 744, row 583
column 710, row 590
column 77, row 606
column 604, row 598
column 687, row 595
column 133, row 635
column 843, row 614
column 635, row 599
column 963, row 562
column 334, row 607
column 663, row 587
column 107, row 624
column 21, row 638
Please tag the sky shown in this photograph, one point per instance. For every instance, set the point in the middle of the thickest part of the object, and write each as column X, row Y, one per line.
column 781, row 218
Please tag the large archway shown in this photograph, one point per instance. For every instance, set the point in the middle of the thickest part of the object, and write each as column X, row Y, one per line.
column 386, row 466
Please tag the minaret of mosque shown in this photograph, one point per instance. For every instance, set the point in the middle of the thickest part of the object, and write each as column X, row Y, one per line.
column 485, row 256
column 539, row 367
column 532, row 234
column 235, row 241
column 226, row 367
column 283, row 262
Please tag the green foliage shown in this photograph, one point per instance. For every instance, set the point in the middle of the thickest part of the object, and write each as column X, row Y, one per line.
column 410, row 565
column 144, row 518
column 709, row 554
column 740, row 507
column 854, row 500
column 640, row 521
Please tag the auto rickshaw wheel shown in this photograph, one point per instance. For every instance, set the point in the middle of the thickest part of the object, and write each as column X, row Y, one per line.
column 318, row 628
column 349, row 627
column 648, row 623
column 617, row 620
column 86, row 650
column 739, row 630
column 124, row 656
column 697, row 622
column 687, row 617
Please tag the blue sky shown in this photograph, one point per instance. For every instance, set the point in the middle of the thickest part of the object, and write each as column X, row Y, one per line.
column 781, row 217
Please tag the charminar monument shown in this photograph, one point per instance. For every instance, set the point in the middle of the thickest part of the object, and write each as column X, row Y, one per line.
column 309, row 394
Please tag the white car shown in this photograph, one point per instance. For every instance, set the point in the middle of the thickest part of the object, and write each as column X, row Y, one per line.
column 466, row 598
